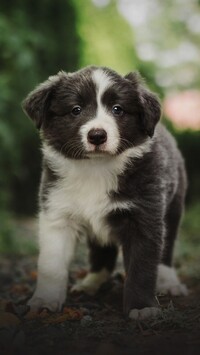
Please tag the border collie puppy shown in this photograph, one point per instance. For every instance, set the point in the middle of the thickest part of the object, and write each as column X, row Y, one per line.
column 110, row 171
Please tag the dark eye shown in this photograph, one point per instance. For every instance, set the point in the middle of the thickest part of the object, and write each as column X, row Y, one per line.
column 117, row 110
column 76, row 110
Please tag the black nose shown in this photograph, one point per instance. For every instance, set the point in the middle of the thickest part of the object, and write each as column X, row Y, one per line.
column 97, row 136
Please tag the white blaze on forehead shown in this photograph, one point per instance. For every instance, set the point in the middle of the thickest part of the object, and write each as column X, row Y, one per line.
column 102, row 81
column 103, row 119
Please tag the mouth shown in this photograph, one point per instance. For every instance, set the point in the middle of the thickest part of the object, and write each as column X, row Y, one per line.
column 98, row 153
column 97, row 149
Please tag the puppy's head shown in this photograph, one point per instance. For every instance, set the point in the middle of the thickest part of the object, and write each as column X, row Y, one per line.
column 93, row 112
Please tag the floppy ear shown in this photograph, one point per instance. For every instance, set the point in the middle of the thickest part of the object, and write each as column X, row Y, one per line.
column 151, row 111
column 150, row 105
column 37, row 102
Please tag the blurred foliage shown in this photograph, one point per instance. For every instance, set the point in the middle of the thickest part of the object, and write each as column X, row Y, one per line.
column 107, row 39
column 189, row 143
column 35, row 42
column 167, row 37
column 37, row 39
column 15, row 237
column 187, row 250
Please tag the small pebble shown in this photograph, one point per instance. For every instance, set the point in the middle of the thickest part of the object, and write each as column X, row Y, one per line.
column 85, row 311
column 86, row 320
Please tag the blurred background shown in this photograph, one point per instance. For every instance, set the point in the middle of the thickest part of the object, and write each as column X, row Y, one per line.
column 38, row 38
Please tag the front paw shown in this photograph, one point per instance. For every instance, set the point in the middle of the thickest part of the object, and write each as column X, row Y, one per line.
column 37, row 303
column 144, row 313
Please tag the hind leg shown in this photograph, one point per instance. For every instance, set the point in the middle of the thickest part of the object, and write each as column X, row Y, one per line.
column 167, row 280
column 102, row 262
column 172, row 219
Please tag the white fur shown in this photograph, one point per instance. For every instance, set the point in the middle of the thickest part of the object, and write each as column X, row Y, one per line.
column 57, row 242
column 82, row 193
column 102, row 80
column 168, row 282
column 144, row 313
column 106, row 122
column 103, row 119
column 92, row 282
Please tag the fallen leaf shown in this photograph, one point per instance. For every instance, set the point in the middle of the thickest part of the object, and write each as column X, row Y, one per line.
column 73, row 313
column 68, row 314
column 3, row 305
column 33, row 275
column 37, row 315
column 8, row 319
column 20, row 289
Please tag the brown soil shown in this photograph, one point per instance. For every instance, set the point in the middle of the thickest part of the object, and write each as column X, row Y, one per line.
column 92, row 325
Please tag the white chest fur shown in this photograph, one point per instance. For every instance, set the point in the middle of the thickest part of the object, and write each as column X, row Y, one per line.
column 82, row 191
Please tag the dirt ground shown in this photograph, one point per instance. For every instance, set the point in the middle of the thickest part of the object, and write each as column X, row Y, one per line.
column 92, row 325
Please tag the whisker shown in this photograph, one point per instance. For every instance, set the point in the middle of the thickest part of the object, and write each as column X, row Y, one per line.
column 72, row 146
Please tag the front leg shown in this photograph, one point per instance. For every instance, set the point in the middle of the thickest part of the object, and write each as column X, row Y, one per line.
column 139, row 289
column 56, row 241
column 141, row 249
